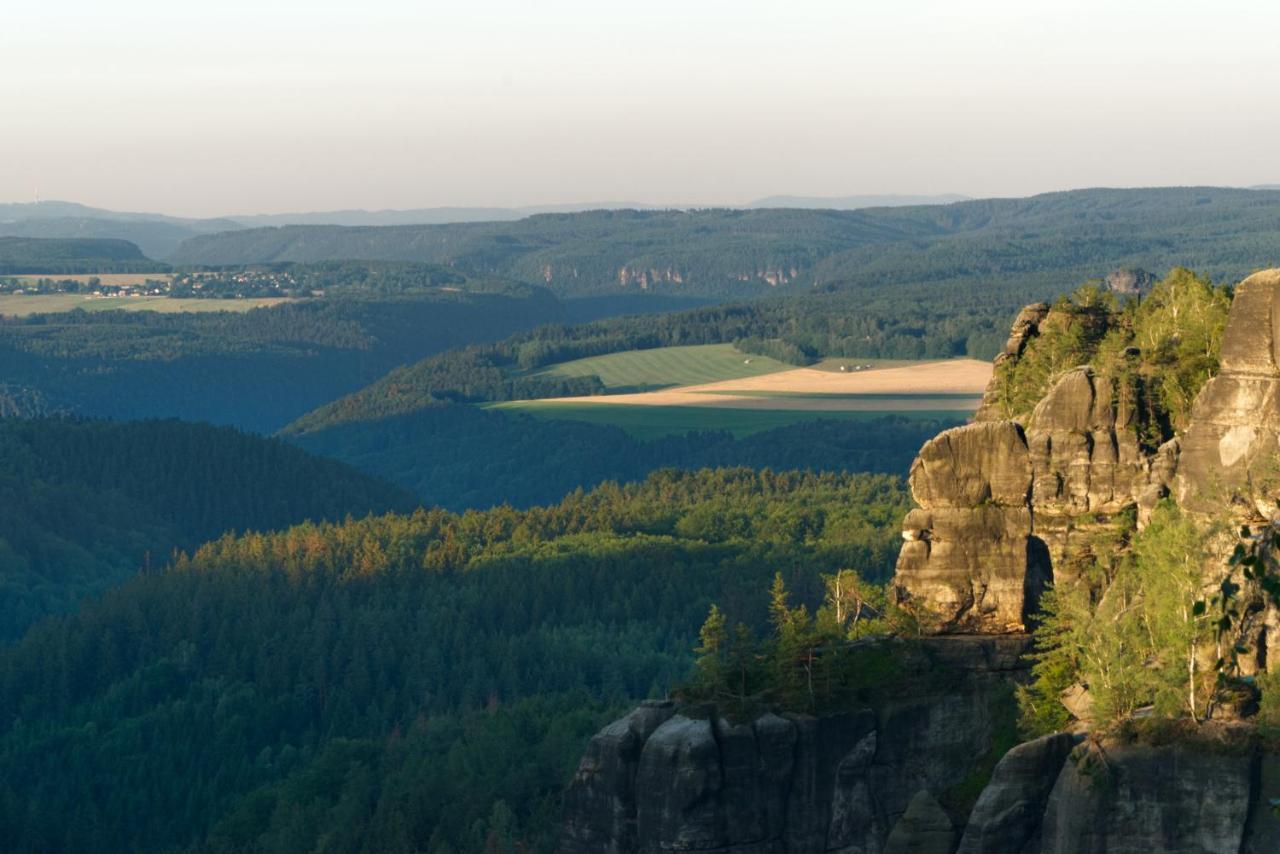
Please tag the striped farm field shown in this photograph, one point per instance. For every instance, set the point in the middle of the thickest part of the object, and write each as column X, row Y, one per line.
column 947, row 390
column 664, row 367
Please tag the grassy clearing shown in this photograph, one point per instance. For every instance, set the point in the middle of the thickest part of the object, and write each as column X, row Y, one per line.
column 20, row 305
column 652, row 422
column 668, row 366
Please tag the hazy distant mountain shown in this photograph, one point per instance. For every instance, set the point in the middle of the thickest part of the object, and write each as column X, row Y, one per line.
column 426, row 216
column 157, row 235
column 1265, row 187
column 850, row 203
column 448, row 215
column 716, row 253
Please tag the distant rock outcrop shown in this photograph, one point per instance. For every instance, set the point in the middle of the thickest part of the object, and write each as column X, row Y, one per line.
column 1130, row 281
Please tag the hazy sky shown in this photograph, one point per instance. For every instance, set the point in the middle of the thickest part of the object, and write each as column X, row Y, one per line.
column 226, row 106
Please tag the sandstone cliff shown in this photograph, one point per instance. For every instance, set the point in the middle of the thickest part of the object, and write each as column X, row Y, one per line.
column 686, row 779
column 1006, row 506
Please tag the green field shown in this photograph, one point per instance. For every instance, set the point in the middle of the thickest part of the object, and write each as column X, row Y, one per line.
column 20, row 305
column 652, row 422
column 665, row 367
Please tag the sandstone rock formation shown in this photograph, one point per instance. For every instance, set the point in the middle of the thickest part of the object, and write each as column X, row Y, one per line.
column 969, row 556
column 1228, row 451
column 1006, row 818
column 1006, row 507
column 1130, row 282
column 663, row 779
column 803, row 785
column 1140, row 798
column 1025, row 327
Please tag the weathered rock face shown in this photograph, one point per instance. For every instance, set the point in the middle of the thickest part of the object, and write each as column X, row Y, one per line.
column 1002, row 508
column 1025, row 327
column 969, row 555
column 600, row 812
column 1086, row 463
column 1006, row 819
column 1130, row 282
column 803, row 785
column 792, row 783
column 1228, row 451
column 1140, row 798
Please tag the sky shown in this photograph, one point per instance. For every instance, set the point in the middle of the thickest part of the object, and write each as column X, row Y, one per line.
column 271, row 106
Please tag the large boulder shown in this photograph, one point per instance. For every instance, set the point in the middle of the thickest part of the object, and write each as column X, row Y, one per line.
column 1006, row 818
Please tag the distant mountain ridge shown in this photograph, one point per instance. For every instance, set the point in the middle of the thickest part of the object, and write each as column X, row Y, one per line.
column 159, row 235
column 71, row 255
column 743, row 253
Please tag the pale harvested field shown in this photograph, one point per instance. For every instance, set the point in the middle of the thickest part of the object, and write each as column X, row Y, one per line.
column 952, row 385
column 21, row 305
column 118, row 279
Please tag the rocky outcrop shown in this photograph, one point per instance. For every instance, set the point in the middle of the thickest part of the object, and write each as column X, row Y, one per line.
column 1006, row 819
column 969, row 555
column 1130, row 282
column 1228, row 451
column 1025, row 327
column 795, row 784
column 600, row 806
column 1141, row 798
column 799, row 784
column 1005, row 508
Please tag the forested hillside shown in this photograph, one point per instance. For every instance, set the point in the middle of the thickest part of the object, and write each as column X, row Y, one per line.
column 89, row 503
column 460, row 456
column 33, row 255
column 257, row 369
column 400, row 683
column 996, row 246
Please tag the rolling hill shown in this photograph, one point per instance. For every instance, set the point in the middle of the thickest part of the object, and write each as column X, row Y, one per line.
column 156, row 234
column 258, row 369
column 992, row 245
column 72, row 255
column 90, row 503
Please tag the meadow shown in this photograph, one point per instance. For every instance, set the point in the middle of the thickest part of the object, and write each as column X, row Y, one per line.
column 664, row 367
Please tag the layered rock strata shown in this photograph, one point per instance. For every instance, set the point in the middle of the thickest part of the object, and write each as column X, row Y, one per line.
column 687, row 779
